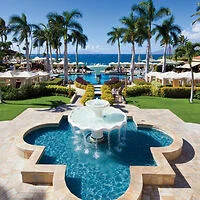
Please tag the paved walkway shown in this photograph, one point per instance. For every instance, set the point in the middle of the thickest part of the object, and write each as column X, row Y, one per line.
column 187, row 166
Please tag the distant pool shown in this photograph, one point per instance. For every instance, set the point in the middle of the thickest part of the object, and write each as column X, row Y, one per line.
column 97, row 79
column 93, row 78
column 107, row 177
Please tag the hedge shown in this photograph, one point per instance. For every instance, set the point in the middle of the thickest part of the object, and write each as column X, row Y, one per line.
column 27, row 92
column 138, row 90
column 106, row 94
column 89, row 94
column 177, row 92
column 56, row 81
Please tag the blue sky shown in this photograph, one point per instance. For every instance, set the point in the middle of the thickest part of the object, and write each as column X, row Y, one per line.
column 100, row 16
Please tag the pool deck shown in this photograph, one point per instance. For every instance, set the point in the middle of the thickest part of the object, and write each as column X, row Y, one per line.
column 186, row 166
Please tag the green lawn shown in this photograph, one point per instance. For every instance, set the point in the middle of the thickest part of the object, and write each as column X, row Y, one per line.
column 181, row 107
column 10, row 109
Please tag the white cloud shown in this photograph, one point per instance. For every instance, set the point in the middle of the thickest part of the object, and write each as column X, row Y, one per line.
column 193, row 34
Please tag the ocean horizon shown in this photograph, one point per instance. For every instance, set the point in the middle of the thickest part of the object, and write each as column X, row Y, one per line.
column 103, row 59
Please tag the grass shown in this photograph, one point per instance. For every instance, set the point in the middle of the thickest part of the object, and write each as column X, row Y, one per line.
column 181, row 107
column 10, row 109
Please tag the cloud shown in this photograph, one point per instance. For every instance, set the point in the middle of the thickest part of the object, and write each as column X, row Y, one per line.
column 193, row 34
column 93, row 47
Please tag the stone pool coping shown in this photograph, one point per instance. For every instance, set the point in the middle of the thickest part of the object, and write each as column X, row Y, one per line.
column 54, row 175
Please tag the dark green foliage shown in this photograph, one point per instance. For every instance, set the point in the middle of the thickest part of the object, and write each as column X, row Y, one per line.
column 175, row 92
column 28, row 92
column 56, row 81
column 197, row 94
column 138, row 90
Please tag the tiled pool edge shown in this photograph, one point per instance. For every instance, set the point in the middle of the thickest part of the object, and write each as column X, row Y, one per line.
column 55, row 174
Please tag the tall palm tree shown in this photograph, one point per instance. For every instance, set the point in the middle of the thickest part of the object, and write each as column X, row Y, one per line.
column 78, row 38
column 66, row 23
column 196, row 14
column 3, row 30
column 167, row 32
column 69, row 24
column 189, row 50
column 133, row 32
column 147, row 10
column 55, row 22
column 43, row 35
column 22, row 29
column 114, row 36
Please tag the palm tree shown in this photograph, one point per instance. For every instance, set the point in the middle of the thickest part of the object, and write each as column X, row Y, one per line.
column 43, row 35
column 78, row 38
column 114, row 36
column 55, row 22
column 3, row 30
column 133, row 32
column 147, row 10
column 168, row 32
column 189, row 50
column 15, row 40
column 22, row 29
column 182, row 40
column 66, row 23
column 196, row 14
column 69, row 24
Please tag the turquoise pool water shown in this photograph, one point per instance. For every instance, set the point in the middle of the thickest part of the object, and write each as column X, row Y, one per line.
column 93, row 79
column 107, row 177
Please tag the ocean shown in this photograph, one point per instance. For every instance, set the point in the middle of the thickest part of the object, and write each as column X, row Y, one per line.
column 103, row 59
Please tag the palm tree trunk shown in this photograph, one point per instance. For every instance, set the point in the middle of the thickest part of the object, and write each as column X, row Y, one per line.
column 27, row 55
column 148, row 55
column 119, row 53
column 56, row 54
column 47, row 58
column 51, row 63
column 77, row 55
column 60, row 52
column 65, row 62
column 192, row 84
column 164, row 59
column 132, row 66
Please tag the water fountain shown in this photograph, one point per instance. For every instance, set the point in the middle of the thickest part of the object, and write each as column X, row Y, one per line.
column 97, row 117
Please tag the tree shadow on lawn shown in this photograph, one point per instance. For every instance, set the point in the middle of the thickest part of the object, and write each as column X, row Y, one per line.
column 51, row 104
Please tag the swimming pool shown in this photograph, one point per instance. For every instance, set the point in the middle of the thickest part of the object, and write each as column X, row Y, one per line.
column 93, row 78
column 108, row 176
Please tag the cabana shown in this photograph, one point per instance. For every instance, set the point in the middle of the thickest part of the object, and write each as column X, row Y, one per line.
column 43, row 76
column 17, row 78
column 176, row 79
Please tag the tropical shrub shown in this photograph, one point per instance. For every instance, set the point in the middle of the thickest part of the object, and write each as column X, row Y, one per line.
column 81, row 81
column 114, row 83
column 175, row 92
column 138, row 90
column 140, row 81
column 105, row 87
column 28, row 92
column 106, row 94
column 59, row 90
column 89, row 94
column 56, row 81
column 197, row 95
column 155, row 88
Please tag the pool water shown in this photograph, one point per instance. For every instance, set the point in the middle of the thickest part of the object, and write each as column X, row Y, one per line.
column 106, row 177
column 93, row 78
